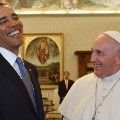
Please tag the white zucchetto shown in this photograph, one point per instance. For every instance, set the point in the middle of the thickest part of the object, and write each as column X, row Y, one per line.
column 113, row 34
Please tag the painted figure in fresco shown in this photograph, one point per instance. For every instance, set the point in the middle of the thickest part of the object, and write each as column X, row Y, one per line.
column 71, row 4
column 43, row 50
column 18, row 4
column 68, row 4
column 30, row 51
column 55, row 78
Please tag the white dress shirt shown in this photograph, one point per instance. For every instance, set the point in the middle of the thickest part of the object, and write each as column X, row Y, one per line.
column 11, row 58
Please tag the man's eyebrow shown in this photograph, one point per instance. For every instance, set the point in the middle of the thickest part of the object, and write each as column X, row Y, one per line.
column 2, row 18
column 14, row 14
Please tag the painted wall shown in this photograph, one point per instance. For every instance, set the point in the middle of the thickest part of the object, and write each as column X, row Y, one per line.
column 79, row 32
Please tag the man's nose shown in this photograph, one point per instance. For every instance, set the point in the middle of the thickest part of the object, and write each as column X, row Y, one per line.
column 93, row 57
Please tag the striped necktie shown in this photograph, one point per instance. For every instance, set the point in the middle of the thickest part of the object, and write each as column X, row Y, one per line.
column 26, row 80
column 66, row 84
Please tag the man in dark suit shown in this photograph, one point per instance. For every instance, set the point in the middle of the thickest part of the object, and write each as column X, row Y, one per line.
column 15, row 99
column 64, row 86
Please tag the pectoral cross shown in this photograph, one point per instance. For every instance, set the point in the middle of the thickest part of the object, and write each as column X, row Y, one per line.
column 93, row 118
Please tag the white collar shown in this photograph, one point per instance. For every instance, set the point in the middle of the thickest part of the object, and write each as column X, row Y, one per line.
column 112, row 77
column 8, row 55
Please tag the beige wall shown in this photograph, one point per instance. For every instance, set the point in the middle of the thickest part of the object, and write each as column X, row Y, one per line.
column 79, row 32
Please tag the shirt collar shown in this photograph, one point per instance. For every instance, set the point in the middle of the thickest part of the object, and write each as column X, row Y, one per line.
column 8, row 55
column 66, row 79
column 116, row 76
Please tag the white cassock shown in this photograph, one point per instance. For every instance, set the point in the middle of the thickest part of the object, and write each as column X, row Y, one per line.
column 79, row 103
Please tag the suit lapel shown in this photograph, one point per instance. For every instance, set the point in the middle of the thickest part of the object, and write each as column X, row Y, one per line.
column 64, row 84
column 14, row 78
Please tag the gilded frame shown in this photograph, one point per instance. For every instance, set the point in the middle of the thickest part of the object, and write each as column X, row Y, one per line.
column 35, row 5
column 103, row 6
column 45, row 51
column 26, row 7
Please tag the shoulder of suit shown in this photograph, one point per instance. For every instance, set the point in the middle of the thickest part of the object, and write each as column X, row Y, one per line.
column 62, row 81
column 28, row 63
column 71, row 80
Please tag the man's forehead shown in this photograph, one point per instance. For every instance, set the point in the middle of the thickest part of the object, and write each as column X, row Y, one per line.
column 6, row 10
column 66, row 73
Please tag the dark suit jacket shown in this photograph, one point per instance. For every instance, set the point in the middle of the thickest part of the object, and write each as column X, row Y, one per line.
column 62, row 89
column 15, row 102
